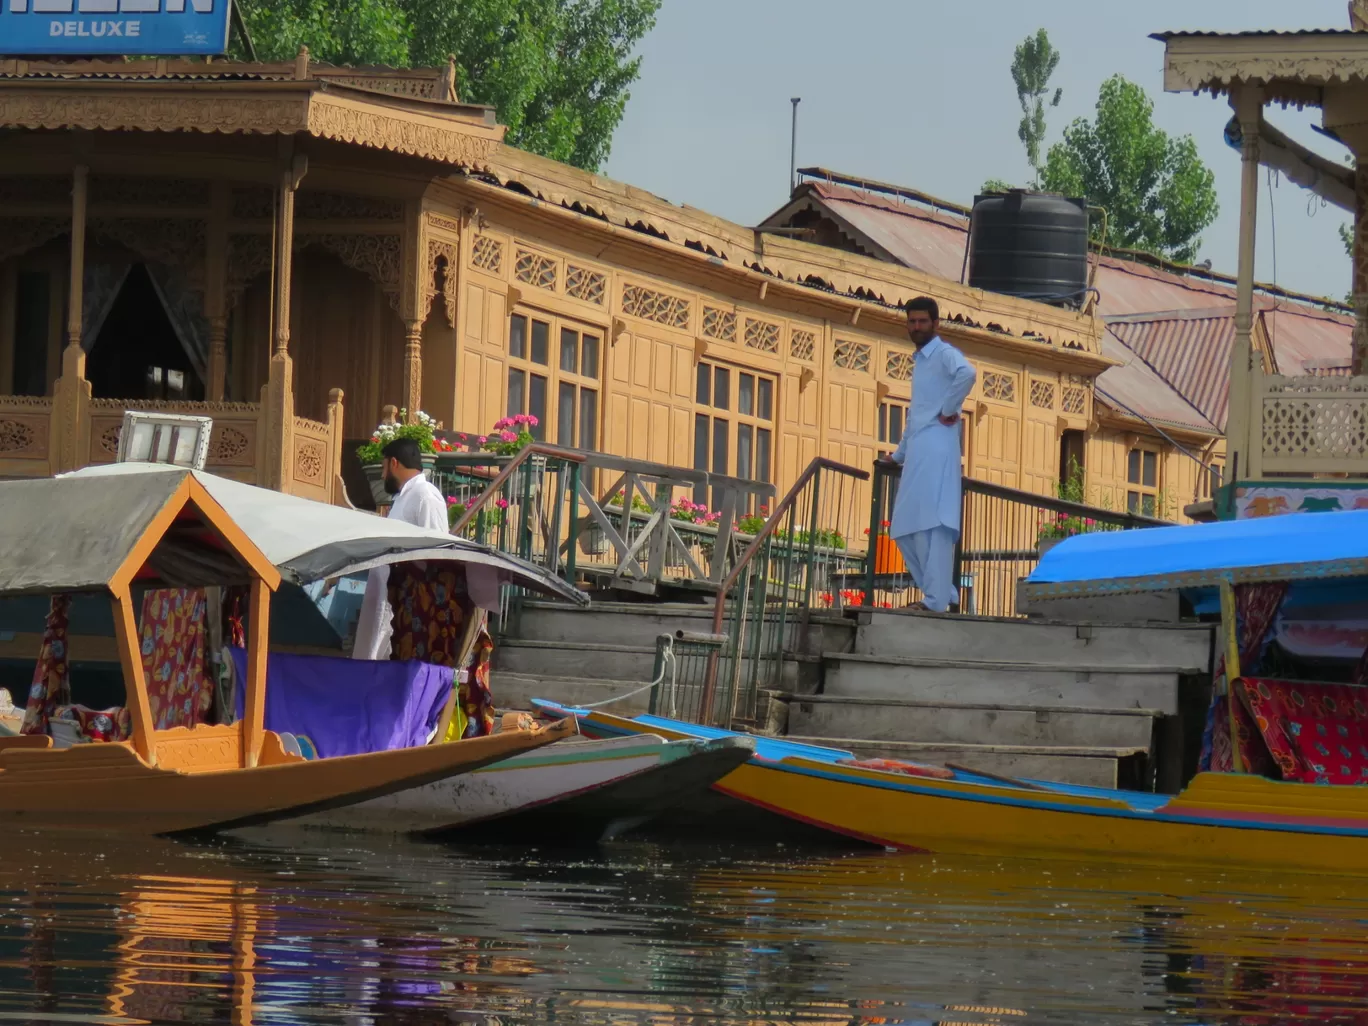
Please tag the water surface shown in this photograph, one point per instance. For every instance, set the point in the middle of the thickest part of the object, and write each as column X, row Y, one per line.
column 311, row 928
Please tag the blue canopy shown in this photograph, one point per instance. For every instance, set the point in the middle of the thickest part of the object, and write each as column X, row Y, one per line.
column 1293, row 547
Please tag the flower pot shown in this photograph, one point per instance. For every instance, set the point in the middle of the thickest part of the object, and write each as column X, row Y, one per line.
column 593, row 541
column 1044, row 545
column 887, row 556
column 376, row 478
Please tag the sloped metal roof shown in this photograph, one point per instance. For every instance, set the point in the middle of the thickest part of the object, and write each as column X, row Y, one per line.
column 1134, row 388
column 1189, row 349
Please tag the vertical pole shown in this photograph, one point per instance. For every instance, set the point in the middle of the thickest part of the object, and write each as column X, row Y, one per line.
column 254, row 704
column 278, row 395
column 876, row 504
column 1230, row 625
column 1360, row 261
column 1244, row 429
column 135, row 681
column 80, row 186
column 793, row 145
column 216, row 291
column 72, row 392
column 413, row 368
column 573, row 513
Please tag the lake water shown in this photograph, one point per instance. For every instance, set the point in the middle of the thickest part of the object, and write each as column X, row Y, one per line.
column 304, row 928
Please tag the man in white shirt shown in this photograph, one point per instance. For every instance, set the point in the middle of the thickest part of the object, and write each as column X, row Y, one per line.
column 416, row 501
column 926, row 513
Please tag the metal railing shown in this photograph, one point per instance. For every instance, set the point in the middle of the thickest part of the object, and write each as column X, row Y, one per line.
column 1003, row 532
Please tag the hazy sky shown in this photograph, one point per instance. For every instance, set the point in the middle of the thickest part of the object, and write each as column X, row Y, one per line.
column 919, row 93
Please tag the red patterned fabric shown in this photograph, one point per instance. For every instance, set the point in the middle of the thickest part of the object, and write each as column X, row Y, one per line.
column 1361, row 670
column 1258, row 700
column 1254, row 754
column 102, row 724
column 51, row 686
column 1323, row 727
column 174, row 633
column 1256, row 607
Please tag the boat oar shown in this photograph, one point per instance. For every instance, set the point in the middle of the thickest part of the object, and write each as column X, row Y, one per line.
column 1026, row 785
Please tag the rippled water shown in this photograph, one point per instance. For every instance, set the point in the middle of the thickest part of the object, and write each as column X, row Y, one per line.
column 310, row 929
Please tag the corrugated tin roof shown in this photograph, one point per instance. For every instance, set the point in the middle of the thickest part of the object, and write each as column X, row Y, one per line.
column 1190, row 350
column 1164, row 37
column 1135, row 388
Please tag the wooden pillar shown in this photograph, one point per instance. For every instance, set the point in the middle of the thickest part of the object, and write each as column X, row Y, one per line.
column 135, row 681
column 413, row 304
column 336, row 488
column 254, row 700
column 1360, row 264
column 413, row 367
column 1242, row 427
column 216, row 292
column 71, row 394
column 277, row 399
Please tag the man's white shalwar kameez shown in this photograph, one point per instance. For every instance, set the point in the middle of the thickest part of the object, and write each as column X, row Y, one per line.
column 418, row 503
column 926, row 512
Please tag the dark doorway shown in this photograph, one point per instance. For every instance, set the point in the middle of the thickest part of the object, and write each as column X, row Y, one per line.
column 137, row 354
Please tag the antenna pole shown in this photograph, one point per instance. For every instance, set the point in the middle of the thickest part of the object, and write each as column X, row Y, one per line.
column 793, row 144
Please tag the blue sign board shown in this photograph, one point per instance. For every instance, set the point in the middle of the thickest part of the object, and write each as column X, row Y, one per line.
column 39, row 27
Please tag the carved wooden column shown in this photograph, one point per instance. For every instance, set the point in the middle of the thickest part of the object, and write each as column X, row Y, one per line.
column 277, row 397
column 216, row 291
column 413, row 367
column 70, row 444
column 1243, row 430
column 1360, row 262
column 413, row 304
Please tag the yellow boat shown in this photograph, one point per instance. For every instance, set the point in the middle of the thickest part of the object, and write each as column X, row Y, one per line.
column 1296, row 812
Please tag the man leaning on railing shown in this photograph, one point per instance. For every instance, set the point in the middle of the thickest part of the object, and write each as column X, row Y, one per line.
column 926, row 512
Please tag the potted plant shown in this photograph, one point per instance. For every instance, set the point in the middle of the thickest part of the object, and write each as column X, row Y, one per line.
column 887, row 557
column 422, row 429
column 1054, row 529
column 486, row 520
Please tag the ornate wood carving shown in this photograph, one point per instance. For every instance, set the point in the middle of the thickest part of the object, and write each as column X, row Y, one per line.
column 132, row 190
column 310, row 457
column 331, row 120
column 802, row 344
column 149, row 112
column 34, row 189
column 21, row 234
column 851, row 355
column 762, row 335
column 248, row 257
column 440, row 274
column 337, row 206
column 898, row 365
column 378, row 257
column 176, row 241
column 252, row 202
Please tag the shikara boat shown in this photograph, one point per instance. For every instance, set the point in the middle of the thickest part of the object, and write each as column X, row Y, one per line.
column 104, row 535
column 1285, row 794
column 577, row 790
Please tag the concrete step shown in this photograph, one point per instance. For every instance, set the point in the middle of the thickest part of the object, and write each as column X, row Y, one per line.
column 981, row 682
column 960, row 723
column 1092, row 766
column 591, row 660
column 516, row 690
column 1056, row 642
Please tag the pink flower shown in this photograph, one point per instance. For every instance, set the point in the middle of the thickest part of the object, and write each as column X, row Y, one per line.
column 501, row 503
column 1090, row 521
column 502, row 423
column 481, row 440
column 531, row 420
column 508, row 436
column 451, row 500
column 462, row 437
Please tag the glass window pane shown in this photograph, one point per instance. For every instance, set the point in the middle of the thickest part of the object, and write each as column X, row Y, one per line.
column 536, row 405
column 883, row 422
column 565, row 414
column 1148, row 505
column 762, row 454
column 589, row 350
column 515, row 392
column 517, row 337
column 743, row 450
column 1133, row 467
column 569, row 354
column 895, row 424
column 765, row 408
column 1151, row 470
column 588, row 425
column 704, row 393
column 701, row 424
column 721, row 388
column 719, row 446
column 745, row 394
column 541, row 343
column 1132, row 502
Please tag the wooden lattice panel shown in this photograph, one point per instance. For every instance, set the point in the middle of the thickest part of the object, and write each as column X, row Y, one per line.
column 1314, row 422
column 762, row 335
column 1001, row 387
column 719, row 324
column 586, row 284
column 651, row 305
column 851, row 355
column 487, row 254
column 1043, row 395
column 898, row 366
column 1075, row 399
column 802, row 344
column 535, row 269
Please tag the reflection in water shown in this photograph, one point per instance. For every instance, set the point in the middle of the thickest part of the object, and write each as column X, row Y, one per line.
column 120, row 931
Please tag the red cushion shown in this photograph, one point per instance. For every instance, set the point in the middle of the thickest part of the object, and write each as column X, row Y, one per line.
column 1324, row 725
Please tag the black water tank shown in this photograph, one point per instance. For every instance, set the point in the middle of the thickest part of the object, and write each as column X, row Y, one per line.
column 1030, row 244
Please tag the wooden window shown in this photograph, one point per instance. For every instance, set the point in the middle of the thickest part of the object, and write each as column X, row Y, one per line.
column 734, row 422
column 1212, row 482
column 892, row 422
column 553, row 374
column 1142, row 474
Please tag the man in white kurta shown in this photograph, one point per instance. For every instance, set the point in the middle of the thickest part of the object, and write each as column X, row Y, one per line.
column 926, row 512
column 416, row 501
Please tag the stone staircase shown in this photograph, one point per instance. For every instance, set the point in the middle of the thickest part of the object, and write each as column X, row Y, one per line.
column 1076, row 702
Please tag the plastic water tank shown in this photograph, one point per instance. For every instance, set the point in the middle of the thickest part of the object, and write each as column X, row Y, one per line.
column 1030, row 244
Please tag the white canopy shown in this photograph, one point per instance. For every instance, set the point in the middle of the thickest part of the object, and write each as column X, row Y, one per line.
column 309, row 541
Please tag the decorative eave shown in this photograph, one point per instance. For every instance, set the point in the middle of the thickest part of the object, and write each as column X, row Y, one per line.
column 1297, row 64
column 1108, row 415
column 451, row 134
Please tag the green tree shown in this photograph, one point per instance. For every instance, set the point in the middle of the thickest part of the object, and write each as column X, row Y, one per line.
column 1158, row 194
column 1033, row 63
column 557, row 71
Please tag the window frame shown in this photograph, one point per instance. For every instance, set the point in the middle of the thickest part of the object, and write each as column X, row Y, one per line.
column 759, row 429
column 1142, row 498
column 557, row 378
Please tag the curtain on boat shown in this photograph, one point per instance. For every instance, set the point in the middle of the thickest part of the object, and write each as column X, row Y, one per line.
column 174, row 629
column 51, row 686
column 1256, row 609
column 436, row 622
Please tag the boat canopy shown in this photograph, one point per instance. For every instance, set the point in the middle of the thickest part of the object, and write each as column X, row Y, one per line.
column 305, row 540
column 1293, row 547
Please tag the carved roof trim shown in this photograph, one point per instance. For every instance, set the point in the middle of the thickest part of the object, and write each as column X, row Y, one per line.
column 1197, row 62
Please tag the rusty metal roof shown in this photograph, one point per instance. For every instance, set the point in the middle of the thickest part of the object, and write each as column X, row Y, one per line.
column 1164, row 37
column 1136, row 389
column 1189, row 349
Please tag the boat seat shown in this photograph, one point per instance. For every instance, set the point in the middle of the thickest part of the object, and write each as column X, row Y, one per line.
column 1317, row 733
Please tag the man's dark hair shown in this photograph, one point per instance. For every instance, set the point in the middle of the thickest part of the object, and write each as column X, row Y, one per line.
column 405, row 452
column 925, row 304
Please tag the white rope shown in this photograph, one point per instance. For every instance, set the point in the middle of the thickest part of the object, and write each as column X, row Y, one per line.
column 667, row 664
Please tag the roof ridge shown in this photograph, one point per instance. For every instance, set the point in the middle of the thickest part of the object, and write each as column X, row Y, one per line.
column 1201, row 313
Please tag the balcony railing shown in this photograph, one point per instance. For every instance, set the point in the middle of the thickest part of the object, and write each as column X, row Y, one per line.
column 1307, row 426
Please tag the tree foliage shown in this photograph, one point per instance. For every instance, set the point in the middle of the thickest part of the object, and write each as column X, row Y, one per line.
column 1158, row 194
column 558, row 71
column 1033, row 63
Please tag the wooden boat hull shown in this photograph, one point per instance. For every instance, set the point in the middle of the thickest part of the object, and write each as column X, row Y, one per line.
column 1220, row 819
column 107, row 786
column 578, row 789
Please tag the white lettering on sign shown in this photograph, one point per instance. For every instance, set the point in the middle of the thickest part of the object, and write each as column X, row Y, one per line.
column 97, row 29
column 108, row 6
